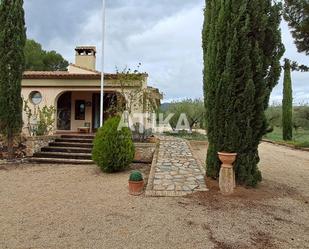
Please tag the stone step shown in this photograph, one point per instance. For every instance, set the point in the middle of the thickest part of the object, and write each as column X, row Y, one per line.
column 86, row 156
column 68, row 144
column 66, row 149
column 59, row 161
column 78, row 136
column 75, row 140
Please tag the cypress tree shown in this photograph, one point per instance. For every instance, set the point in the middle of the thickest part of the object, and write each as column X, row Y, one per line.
column 296, row 13
column 287, row 103
column 12, row 42
column 242, row 50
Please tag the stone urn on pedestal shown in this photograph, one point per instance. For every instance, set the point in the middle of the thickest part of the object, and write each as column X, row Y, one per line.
column 227, row 181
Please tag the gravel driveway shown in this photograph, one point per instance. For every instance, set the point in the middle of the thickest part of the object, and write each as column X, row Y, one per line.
column 48, row 206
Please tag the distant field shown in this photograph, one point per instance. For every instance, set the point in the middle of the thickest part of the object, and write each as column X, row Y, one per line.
column 300, row 138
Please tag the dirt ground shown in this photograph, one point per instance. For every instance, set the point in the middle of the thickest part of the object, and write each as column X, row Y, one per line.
column 63, row 206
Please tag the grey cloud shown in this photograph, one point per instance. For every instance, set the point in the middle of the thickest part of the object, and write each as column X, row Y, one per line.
column 46, row 19
column 164, row 35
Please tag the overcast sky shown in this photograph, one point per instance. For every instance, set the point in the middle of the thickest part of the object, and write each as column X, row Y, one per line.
column 163, row 35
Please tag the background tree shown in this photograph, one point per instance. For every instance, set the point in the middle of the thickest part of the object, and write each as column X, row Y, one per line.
column 137, row 95
column 274, row 116
column 242, row 50
column 194, row 110
column 12, row 43
column 38, row 59
column 301, row 117
column 33, row 56
column 296, row 13
column 287, row 103
column 134, row 95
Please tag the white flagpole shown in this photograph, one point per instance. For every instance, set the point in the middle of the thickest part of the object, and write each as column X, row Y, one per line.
column 102, row 73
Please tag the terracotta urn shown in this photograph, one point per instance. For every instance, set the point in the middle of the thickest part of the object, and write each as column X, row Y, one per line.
column 227, row 159
column 227, row 181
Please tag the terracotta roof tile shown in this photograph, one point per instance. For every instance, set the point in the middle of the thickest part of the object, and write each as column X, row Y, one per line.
column 66, row 75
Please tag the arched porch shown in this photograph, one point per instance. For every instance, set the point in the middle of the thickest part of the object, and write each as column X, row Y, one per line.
column 76, row 109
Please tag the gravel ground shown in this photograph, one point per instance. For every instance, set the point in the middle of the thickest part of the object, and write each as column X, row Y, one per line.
column 47, row 206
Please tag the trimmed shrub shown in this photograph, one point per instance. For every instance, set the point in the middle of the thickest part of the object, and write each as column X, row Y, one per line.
column 113, row 149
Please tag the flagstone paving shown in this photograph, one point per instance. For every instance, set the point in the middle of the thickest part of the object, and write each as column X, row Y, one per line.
column 175, row 171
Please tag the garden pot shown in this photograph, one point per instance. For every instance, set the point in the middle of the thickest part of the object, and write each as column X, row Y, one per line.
column 227, row 181
column 136, row 188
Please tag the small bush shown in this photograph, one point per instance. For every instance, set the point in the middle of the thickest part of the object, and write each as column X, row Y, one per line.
column 136, row 176
column 113, row 149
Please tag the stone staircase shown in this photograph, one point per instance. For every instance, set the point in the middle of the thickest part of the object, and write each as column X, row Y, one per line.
column 68, row 149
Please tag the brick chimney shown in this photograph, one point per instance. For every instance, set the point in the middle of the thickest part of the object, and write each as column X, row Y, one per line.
column 86, row 57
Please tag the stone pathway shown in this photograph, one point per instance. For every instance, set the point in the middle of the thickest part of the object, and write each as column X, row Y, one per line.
column 175, row 172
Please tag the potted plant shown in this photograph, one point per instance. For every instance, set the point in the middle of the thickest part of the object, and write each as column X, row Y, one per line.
column 136, row 183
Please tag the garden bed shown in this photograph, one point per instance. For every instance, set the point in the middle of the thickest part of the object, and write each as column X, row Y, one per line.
column 19, row 148
column 26, row 146
column 144, row 152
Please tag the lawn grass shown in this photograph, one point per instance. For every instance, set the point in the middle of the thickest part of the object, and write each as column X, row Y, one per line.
column 300, row 138
column 189, row 136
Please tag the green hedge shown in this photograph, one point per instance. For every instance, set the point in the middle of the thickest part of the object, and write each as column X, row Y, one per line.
column 113, row 149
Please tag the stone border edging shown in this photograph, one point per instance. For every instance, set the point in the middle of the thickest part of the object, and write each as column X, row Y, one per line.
column 291, row 146
column 152, row 170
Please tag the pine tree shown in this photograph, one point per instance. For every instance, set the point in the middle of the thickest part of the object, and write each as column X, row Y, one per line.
column 12, row 42
column 242, row 50
column 287, row 103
